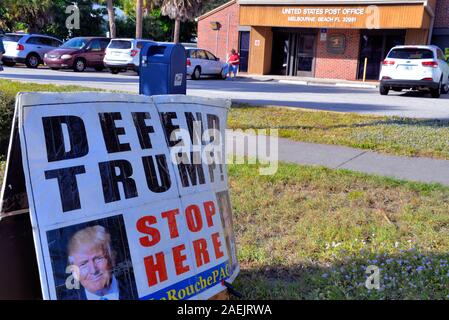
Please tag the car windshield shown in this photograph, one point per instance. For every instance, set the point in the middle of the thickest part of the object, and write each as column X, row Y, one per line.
column 75, row 43
column 120, row 44
column 12, row 37
column 411, row 53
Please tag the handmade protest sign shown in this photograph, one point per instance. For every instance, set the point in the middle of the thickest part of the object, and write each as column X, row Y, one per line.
column 128, row 195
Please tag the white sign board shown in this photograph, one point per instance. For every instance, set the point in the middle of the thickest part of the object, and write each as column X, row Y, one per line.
column 128, row 195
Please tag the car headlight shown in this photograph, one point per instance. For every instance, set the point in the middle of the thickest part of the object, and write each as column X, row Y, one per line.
column 66, row 56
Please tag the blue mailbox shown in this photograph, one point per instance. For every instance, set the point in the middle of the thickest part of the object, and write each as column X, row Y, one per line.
column 162, row 69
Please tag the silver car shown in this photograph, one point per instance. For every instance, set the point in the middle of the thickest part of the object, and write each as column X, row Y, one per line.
column 27, row 48
column 202, row 62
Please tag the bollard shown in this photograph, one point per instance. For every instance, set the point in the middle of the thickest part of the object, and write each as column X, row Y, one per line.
column 364, row 69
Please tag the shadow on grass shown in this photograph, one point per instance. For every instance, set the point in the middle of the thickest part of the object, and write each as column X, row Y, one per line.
column 406, row 275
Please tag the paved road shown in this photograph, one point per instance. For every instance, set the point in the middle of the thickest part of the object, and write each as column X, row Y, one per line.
column 323, row 97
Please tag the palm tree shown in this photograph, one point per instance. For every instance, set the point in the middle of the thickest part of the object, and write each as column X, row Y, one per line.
column 150, row 5
column 181, row 11
column 111, row 17
column 139, row 5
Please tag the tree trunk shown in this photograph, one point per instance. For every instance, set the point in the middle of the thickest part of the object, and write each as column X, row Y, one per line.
column 139, row 4
column 111, row 17
column 177, row 30
column 147, row 7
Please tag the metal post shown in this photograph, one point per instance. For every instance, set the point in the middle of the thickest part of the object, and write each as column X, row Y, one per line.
column 364, row 69
column 216, row 43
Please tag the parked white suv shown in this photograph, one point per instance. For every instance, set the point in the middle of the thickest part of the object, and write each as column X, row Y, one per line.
column 415, row 67
column 27, row 48
column 123, row 55
column 202, row 62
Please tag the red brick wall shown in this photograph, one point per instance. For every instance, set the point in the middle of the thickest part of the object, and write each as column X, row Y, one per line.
column 338, row 66
column 228, row 35
column 442, row 14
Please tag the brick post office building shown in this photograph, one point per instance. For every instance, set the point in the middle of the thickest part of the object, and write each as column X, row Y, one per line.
column 321, row 38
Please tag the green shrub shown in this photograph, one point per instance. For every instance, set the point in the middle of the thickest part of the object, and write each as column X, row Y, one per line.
column 6, row 114
column 8, row 92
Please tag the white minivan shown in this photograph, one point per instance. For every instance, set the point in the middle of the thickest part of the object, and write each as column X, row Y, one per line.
column 423, row 68
column 123, row 54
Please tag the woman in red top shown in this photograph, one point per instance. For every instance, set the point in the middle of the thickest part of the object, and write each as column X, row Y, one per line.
column 233, row 62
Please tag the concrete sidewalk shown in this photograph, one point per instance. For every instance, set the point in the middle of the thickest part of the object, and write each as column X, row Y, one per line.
column 313, row 81
column 338, row 157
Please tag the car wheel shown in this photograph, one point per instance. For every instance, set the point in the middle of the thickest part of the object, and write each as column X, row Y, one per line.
column 9, row 64
column 384, row 90
column 435, row 93
column 196, row 74
column 114, row 70
column 79, row 65
column 32, row 61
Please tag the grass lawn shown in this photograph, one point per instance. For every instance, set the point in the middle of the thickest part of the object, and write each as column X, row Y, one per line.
column 2, row 170
column 310, row 233
column 394, row 135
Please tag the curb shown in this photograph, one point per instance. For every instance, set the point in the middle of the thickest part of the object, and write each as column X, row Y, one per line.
column 337, row 84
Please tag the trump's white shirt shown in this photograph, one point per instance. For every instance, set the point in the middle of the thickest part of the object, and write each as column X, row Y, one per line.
column 111, row 294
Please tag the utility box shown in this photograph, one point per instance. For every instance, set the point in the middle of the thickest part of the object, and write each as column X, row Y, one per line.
column 162, row 69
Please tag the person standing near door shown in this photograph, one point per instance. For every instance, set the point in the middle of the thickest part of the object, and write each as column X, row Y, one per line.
column 233, row 62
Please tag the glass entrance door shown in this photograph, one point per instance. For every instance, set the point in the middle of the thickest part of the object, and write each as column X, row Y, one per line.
column 293, row 53
column 374, row 47
column 244, row 51
column 305, row 55
column 301, row 55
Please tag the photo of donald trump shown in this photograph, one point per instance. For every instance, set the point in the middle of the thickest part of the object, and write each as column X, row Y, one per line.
column 95, row 275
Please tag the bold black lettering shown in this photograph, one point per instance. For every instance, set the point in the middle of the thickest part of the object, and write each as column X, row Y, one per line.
column 169, row 127
column 212, row 167
column 54, row 137
column 150, row 173
column 68, row 187
column 111, row 133
column 195, row 137
column 110, row 180
column 193, row 171
column 142, row 129
column 213, row 123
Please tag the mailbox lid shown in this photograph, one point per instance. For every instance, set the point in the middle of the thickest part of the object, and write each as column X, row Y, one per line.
column 157, row 52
